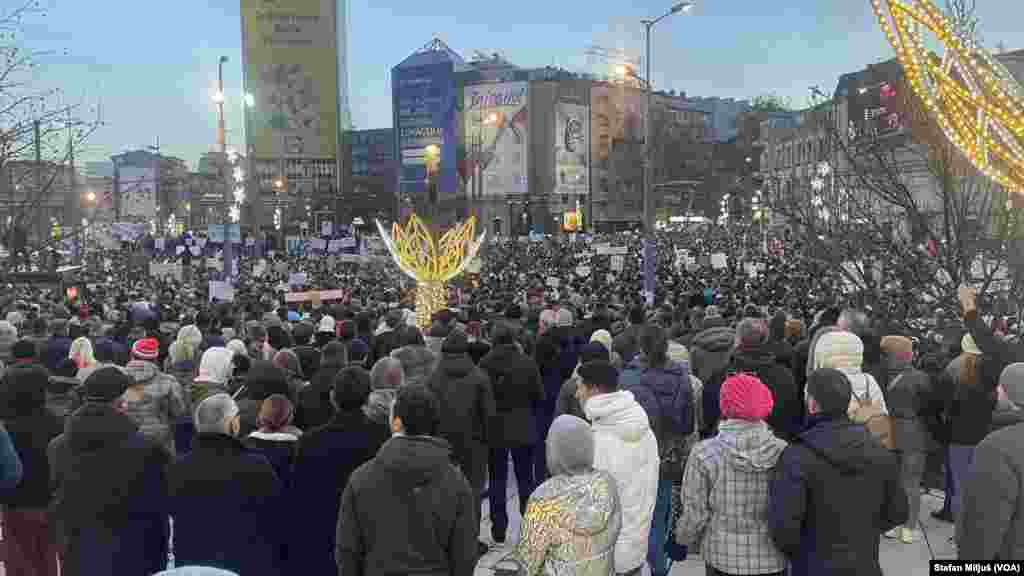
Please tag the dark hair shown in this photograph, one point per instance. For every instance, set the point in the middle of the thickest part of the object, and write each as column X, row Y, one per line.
column 348, row 330
column 831, row 391
column 335, row 353
column 504, row 334
column 417, row 407
column 654, row 343
column 66, row 368
column 23, row 390
column 264, row 379
column 637, row 315
column 411, row 336
column 351, row 388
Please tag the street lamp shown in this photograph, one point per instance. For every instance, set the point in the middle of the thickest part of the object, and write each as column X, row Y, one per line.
column 219, row 99
column 649, row 248
column 90, row 196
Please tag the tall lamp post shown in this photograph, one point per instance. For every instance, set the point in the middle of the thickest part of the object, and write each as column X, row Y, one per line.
column 228, row 184
column 650, row 249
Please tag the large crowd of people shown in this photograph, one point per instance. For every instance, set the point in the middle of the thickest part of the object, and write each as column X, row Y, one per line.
column 148, row 425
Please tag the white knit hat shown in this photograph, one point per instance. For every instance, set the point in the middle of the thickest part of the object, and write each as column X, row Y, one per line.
column 327, row 324
column 843, row 351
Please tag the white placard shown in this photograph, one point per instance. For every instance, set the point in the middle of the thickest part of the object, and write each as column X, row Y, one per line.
column 195, row 250
column 583, row 271
column 319, row 243
column 719, row 261
column 618, row 263
column 158, row 270
column 201, row 242
column 297, row 279
column 179, row 250
column 326, row 228
column 222, row 291
column 215, row 263
column 158, row 244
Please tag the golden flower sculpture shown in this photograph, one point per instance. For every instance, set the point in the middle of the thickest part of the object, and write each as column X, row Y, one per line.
column 973, row 97
column 431, row 261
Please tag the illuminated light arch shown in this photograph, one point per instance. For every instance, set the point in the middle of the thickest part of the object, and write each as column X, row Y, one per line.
column 973, row 98
column 431, row 261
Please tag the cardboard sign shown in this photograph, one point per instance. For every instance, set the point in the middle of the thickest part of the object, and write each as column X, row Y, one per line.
column 322, row 295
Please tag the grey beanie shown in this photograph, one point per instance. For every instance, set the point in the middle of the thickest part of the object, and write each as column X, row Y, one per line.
column 570, row 446
column 1012, row 382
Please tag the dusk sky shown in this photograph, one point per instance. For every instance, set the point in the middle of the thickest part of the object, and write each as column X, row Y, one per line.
column 152, row 65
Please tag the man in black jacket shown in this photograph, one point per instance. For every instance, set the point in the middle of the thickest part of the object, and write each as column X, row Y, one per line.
column 464, row 394
column 753, row 355
column 518, row 393
column 409, row 510
column 835, row 490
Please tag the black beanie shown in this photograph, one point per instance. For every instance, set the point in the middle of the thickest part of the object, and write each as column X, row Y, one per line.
column 831, row 391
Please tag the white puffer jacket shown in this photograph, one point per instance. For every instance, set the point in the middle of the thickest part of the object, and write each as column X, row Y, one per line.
column 625, row 446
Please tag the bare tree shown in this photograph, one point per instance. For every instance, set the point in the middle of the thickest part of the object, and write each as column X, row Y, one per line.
column 902, row 217
column 39, row 129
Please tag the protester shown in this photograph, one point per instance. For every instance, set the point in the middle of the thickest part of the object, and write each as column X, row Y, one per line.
column 515, row 431
column 58, row 346
column 325, row 459
column 215, row 370
column 409, row 510
column 62, row 396
column 8, row 336
column 466, row 402
column 386, row 379
column 725, row 488
column 315, row 407
column 625, row 446
column 261, row 382
column 155, row 401
column 183, row 355
column 753, row 355
column 110, row 503
column 991, row 521
column 567, row 402
column 31, row 428
column 417, row 361
column 814, row 481
column 662, row 387
column 275, row 438
column 844, row 351
column 576, row 490
column 909, row 395
column 225, row 500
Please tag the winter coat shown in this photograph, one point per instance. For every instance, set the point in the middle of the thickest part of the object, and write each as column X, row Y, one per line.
column 110, row 507
column 408, row 511
column 62, row 396
column 725, row 499
column 710, row 351
column 962, row 414
column 467, row 408
column 385, row 343
column 667, row 398
column 518, row 394
column 786, row 419
column 184, row 372
column 278, row 448
column 227, row 508
column 417, row 363
column 567, row 402
column 315, row 408
column 55, row 351
column 557, row 356
column 991, row 523
column 584, row 544
column 627, row 344
column 625, row 446
column 31, row 432
column 325, row 459
column 812, row 517
column 909, row 394
column 160, row 403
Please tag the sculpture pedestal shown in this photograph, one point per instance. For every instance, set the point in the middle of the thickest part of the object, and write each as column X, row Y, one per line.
column 430, row 298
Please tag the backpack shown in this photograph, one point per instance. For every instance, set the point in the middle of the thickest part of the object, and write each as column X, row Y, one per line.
column 869, row 413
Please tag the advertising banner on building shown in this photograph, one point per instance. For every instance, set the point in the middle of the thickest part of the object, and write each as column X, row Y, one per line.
column 616, row 143
column 496, row 120
column 425, row 116
column 572, row 148
column 291, row 53
column 138, row 193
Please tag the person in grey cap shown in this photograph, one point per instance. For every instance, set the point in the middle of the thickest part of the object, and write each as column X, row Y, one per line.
column 576, row 490
column 110, row 486
column 991, row 521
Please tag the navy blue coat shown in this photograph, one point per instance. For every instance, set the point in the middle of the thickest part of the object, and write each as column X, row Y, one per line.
column 110, row 506
column 226, row 504
column 325, row 459
column 833, row 493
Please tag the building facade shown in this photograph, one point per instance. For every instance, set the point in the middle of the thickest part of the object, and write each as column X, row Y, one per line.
column 373, row 184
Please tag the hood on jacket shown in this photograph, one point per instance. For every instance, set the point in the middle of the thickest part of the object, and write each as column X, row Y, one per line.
column 215, row 366
column 456, row 365
column 618, row 413
column 718, row 339
column 758, row 356
column 95, row 427
column 570, row 446
column 840, row 442
column 750, row 446
column 415, row 461
column 142, row 371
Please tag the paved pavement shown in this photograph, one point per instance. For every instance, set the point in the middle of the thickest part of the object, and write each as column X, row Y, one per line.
column 896, row 558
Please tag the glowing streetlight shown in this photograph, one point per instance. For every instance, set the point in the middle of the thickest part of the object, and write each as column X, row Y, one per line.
column 278, row 184
column 218, row 97
column 90, row 196
column 250, row 100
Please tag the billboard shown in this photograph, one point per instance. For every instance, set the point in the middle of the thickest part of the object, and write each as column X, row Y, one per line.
column 572, row 148
column 138, row 193
column 424, row 103
column 496, row 120
column 291, row 53
column 616, row 149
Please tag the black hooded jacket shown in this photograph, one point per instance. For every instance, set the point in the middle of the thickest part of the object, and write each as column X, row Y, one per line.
column 408, row 511
column 834, row 492
column 786, row 419
column 467, row 407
